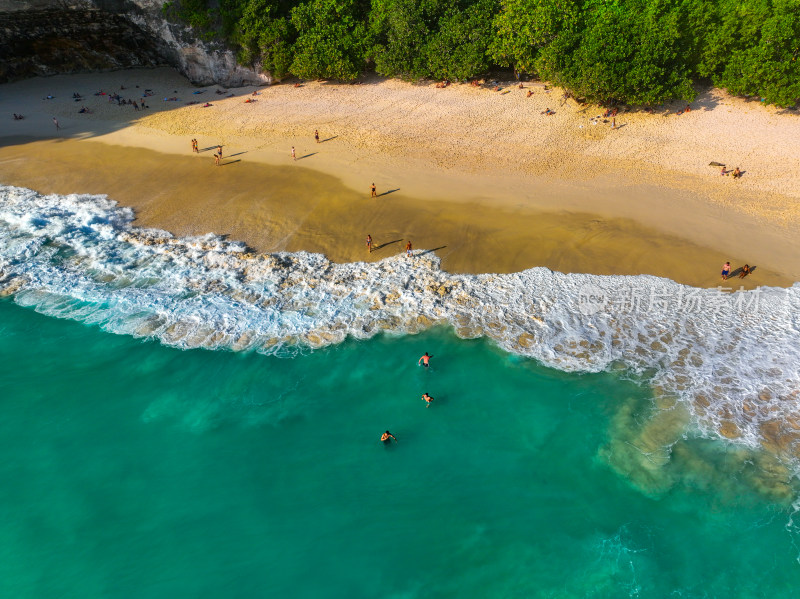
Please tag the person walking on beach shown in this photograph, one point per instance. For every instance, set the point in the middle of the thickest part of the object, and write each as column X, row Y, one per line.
column 369, row 243
column 316, row 135
column 55, row 122
column 374, row 195
column 745, row 271
column 424, row 360
column 726, row 270
column 216, row 159
column 408, row 249
column 219, row 151
column 294, row 156
column 427, row 399
column 387, row 436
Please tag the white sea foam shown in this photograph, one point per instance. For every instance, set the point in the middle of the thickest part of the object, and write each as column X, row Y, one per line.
column 734, row 358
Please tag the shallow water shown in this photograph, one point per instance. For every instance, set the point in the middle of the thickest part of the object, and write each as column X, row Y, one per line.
column 728, row 361
column 131, row 469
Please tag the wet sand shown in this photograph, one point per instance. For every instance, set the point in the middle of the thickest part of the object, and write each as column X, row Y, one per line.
column 274, row 208
column 477, row 176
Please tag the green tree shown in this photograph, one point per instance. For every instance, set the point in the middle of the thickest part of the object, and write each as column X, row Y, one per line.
column 264, row 37
column 332, row 40
column 460, row 48
column 196, row 13
column 524, row 28
column 631, row 51
column 754, row 50
column 400, row 29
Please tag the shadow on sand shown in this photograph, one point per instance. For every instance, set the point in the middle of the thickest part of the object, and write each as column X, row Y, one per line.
column 383, row 245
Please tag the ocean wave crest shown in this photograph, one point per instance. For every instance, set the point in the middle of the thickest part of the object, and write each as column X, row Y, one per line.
column 732, row 357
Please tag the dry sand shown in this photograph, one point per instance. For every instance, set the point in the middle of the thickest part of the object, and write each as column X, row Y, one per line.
column 479, row 172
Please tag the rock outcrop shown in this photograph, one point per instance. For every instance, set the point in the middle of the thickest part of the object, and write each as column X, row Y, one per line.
column 47, row 37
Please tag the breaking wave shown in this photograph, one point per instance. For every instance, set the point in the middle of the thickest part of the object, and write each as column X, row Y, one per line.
column 731, row 358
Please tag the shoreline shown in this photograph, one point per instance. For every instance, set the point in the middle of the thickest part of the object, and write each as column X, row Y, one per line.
column 699, row 220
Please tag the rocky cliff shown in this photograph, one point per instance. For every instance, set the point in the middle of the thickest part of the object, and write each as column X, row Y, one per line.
column 47, row 37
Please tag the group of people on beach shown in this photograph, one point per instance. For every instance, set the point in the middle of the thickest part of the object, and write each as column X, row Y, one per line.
column 424, row 361
column 409, row 246
column 217, row 152
column 743, row 272
column 735, row 173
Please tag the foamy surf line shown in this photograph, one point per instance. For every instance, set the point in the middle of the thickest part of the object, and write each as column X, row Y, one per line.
column 732, row 358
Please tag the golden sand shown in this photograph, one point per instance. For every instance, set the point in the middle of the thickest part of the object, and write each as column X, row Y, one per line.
column 480, row 177
column 290, row 208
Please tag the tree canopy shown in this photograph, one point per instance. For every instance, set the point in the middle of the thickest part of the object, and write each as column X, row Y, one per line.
column 632, row 51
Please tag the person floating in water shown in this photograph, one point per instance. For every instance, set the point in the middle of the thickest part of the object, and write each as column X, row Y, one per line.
column 428, row 399
column 387, row 436
column 424, row 360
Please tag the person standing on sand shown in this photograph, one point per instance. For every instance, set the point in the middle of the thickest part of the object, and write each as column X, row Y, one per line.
column 726, row 270
column 374, row 195
column 369, row 243
column 294, row 156
column 219, row 151
column 408, row 249
column 55, row 122
column 316, row 135
column 216, row 159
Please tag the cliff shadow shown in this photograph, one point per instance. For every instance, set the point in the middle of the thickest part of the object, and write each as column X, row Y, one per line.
column 89, row 105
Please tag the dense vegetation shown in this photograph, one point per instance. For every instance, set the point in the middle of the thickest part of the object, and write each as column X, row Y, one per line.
column 633, row 51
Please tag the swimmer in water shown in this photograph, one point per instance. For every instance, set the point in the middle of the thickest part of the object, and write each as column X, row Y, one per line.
column 385, row 437
column 428, row 399
column 424, row 360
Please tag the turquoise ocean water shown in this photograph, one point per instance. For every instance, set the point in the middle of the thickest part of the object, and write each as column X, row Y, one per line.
column 225, row 442
column 134, row 470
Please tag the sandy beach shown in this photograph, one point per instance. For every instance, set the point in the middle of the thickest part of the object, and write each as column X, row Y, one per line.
column 479, row 176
